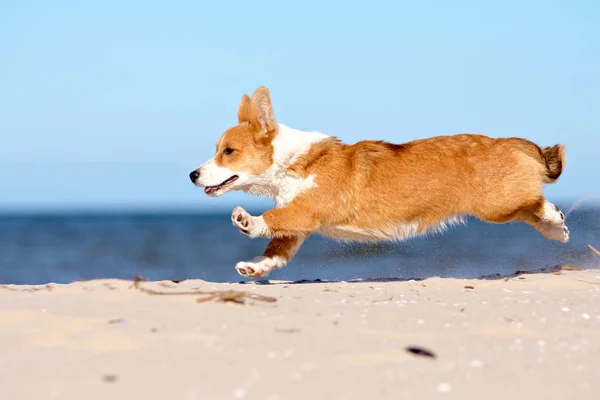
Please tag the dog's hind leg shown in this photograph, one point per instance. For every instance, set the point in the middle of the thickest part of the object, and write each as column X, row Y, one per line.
column 547, row 219
column 278, row 253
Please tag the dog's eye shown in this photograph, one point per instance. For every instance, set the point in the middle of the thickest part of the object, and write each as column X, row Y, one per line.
column 228, row 151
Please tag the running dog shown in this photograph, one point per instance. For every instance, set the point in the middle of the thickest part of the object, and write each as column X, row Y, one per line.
column 373, row 190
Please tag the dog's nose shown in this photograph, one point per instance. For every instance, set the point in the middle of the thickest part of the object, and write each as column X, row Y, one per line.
column 194, row 175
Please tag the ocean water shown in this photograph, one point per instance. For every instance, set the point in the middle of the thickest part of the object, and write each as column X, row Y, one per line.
column 37, row 249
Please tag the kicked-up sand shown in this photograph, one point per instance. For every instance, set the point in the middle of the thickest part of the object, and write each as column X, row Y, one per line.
column 531, row 336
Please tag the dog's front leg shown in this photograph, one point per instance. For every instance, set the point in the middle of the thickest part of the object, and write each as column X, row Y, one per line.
column 291, row 220
column 288, row 226
column 250, row 225
column 278, row 253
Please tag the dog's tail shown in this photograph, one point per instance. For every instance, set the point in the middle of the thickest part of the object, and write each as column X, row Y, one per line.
column 554, row 159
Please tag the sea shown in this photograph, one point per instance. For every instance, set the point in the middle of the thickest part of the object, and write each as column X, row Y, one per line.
column 63, row 248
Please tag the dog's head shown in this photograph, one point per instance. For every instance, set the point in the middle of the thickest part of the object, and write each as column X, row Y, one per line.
column 244, row 152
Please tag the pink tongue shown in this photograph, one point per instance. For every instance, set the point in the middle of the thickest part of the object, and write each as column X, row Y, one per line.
column 207, row 189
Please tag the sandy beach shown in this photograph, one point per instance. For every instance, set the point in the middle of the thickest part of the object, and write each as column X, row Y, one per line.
column 527, row 336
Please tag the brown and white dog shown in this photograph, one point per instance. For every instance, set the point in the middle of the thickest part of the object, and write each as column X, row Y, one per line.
column 373, row 190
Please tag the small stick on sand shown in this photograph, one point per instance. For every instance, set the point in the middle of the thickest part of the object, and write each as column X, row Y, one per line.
column 594, row 250
column 384, row 300
column 236, row 296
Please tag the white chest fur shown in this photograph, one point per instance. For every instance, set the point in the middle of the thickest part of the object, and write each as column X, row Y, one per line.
column 277, row 182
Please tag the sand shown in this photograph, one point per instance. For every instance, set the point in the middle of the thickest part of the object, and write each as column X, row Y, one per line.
column 528, row 337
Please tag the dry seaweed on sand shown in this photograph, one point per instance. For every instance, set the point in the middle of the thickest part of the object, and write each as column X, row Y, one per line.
column 234, row 296
column 568, row 267
column 545, row 270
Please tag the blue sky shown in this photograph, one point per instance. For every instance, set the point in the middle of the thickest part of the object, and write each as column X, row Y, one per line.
column 110, row 104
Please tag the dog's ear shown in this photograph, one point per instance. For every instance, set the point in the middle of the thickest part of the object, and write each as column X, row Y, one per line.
column 245, row 110
column 262, row 117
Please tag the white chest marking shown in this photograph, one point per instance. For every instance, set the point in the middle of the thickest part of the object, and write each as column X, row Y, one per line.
column 291, row 186
column 277, row 182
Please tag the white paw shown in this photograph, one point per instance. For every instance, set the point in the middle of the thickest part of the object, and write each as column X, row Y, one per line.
column 560, row 233
column 249, row 225
column 255, row 269
column 553, row 215
column 241, row 219
column 260, row 266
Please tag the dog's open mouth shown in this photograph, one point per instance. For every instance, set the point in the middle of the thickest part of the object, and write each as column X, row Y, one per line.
column 213, row 189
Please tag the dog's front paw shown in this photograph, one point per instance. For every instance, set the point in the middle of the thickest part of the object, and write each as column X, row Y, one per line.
column 249, row 225
column 241, row 219
column 256, row 268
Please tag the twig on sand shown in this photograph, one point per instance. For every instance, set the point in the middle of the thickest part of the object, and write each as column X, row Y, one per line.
column 384, row 300
column 235, row 296
column 594, row 250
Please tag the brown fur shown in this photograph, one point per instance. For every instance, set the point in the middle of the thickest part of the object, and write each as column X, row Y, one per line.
column 555, row 162
column 250, row 139
column 377, row 185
